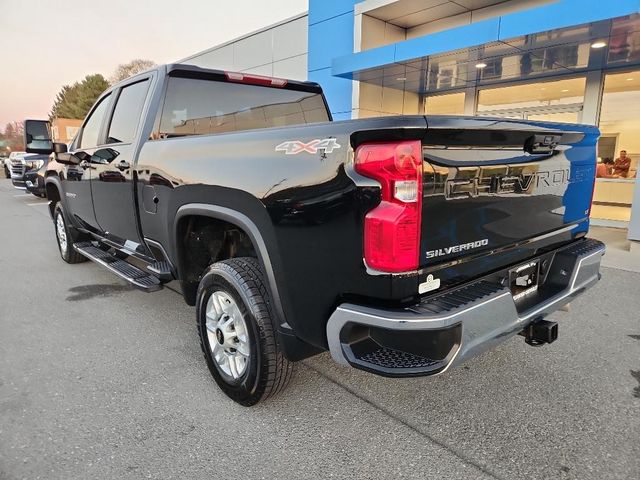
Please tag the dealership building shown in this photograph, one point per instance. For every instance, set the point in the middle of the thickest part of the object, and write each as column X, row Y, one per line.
column 561, row 61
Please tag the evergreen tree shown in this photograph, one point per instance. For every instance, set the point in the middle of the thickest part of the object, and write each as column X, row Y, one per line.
column 74, row 101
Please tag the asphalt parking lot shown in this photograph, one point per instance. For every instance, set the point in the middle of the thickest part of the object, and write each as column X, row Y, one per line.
column 98, row 380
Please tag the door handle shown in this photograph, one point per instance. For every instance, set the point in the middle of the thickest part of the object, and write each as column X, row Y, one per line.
column 123, row 165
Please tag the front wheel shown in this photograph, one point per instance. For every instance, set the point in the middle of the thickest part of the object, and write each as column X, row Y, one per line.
column 237, row 332
column 64, row 237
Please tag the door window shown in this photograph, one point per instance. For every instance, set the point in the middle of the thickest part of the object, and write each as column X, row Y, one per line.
column 91, row 129
column 127, row 113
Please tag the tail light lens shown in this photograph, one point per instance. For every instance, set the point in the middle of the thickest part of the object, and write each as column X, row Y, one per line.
column 392, row 229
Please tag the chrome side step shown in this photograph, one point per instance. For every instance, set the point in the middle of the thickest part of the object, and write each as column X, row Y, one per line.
column 135, row 276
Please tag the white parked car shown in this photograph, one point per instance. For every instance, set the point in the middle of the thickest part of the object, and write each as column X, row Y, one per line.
column 8, row 162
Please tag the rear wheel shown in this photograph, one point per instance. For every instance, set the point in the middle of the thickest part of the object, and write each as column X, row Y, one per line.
column 65, row 237
column 237, row 332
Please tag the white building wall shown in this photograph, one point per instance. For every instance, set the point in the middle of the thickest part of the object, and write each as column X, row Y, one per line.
column 279, row 50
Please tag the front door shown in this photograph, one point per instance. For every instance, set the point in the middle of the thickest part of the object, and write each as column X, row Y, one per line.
column 113, row 167
column 77, row 186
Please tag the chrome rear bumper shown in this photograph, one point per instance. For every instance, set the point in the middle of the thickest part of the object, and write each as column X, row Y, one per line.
column 448, row 328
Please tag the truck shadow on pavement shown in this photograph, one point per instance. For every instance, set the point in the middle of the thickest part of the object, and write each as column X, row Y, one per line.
column 85, row 292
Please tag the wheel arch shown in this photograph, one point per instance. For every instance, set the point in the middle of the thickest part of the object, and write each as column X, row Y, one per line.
column 242, row 222
column 53, row 190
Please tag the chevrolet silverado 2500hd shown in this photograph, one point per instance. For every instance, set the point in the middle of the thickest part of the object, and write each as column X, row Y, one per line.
column 403, row 245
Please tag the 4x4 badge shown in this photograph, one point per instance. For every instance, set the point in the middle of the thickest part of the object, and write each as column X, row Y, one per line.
column 293, row 147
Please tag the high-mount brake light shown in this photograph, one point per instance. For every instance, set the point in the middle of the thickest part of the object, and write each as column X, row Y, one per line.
column 392, row 229
column 255, row 79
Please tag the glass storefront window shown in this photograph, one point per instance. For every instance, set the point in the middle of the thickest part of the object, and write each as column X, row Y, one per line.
column 565, row 117
column 619, row 147
column 532, row 98
column 449, row 104
column 620, row 116
column 624, row 43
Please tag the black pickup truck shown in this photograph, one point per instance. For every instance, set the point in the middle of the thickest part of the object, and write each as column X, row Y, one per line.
column 403, row 245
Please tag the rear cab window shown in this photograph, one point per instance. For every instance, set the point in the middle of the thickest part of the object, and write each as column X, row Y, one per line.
column 195, row 106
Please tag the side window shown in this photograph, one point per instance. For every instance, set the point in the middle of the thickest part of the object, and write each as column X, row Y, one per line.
column 126, row 115
column 91, row 128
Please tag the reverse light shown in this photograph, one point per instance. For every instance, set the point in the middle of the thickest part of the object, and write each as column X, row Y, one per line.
column 392, row 229
column 255, row 79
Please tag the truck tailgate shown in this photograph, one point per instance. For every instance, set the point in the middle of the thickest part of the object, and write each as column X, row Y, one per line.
column 495, row 191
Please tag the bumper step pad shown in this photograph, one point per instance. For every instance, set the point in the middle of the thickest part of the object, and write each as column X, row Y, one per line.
column 389, row 358
column 132, row 274
column 458, row 298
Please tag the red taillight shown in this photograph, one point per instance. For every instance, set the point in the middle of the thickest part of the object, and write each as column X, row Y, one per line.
column 255, row 79
column 392, row 229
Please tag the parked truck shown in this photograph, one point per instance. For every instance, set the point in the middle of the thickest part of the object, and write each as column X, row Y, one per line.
column 402, row 245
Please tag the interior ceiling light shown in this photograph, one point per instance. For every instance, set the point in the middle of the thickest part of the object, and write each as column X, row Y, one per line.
column 565, row 90
column 401, row 79
column 481, row 65
column 629, row 79
column 598, row 44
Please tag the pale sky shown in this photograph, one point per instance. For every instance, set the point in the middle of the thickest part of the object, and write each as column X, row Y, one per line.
column 47, row 44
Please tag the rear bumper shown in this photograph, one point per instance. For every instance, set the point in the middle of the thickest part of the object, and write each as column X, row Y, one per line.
column 450, row 327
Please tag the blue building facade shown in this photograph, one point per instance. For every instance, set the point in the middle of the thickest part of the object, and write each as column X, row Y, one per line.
column 565, row 61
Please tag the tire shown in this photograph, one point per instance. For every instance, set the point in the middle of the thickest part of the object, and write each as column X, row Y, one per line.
column 7, row 173
column 266, row 370
column 66, row 241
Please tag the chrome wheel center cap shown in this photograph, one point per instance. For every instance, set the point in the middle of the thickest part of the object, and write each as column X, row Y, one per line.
column 219, row 336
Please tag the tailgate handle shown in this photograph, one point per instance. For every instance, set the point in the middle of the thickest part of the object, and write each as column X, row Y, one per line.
column 542, row 144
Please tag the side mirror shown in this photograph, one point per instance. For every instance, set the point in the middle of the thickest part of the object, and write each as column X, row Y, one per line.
column 67, row 158
column 62, row 155
column 37, row 136
column 59, row 147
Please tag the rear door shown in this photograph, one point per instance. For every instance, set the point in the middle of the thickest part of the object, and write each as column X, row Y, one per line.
column 112, row 176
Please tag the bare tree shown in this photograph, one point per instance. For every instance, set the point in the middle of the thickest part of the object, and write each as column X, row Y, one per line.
column 13, row 136
column 126, row 70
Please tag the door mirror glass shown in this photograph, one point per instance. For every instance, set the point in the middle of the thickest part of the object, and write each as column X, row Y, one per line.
column 104, row 156
column 37, row 136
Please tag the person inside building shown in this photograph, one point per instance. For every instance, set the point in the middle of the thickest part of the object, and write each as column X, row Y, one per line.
column 603, row 170
column 622, row 164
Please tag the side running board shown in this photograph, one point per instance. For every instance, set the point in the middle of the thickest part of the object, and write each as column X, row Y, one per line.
column 135, row 276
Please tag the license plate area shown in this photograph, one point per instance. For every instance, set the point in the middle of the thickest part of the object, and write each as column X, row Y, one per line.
column 523, row 279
